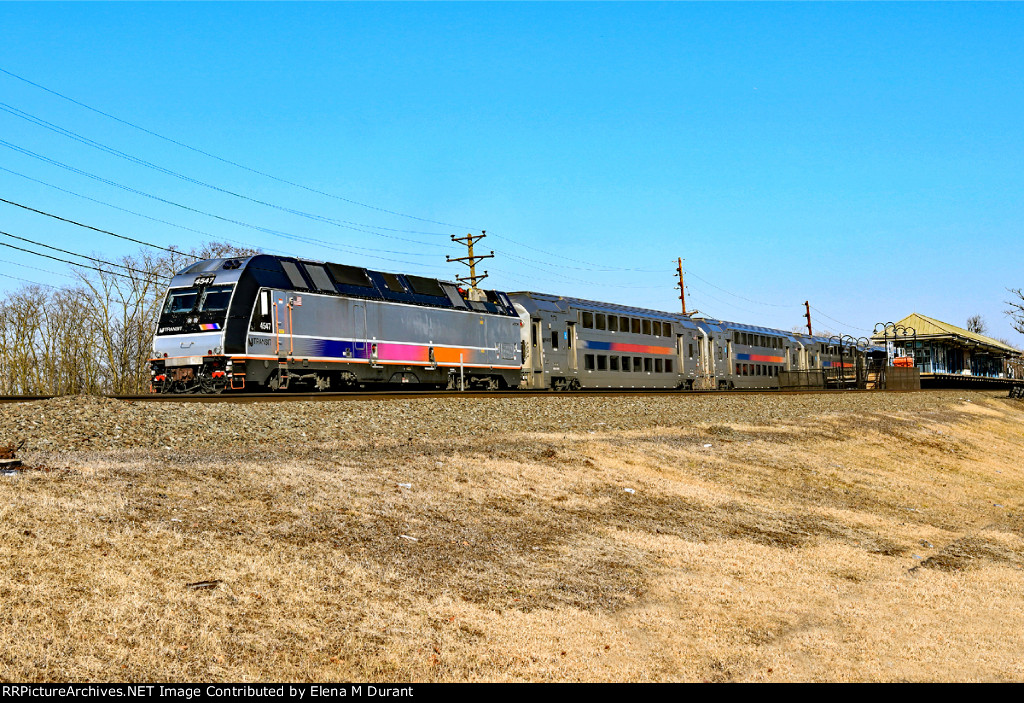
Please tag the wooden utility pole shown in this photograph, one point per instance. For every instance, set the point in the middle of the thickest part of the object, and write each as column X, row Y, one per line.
column 682, row 290
column 471, row 259
column 807, row 306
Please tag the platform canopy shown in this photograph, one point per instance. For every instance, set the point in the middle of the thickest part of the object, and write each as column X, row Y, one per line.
column 939, row 348
column 928, row 328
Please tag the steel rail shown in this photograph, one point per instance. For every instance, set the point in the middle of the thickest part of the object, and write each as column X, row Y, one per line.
column 414, row 395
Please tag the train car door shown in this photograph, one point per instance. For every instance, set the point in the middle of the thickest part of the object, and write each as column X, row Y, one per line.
column 570, row 347
column 282, row 323
column 536, row 347
column 358, row 330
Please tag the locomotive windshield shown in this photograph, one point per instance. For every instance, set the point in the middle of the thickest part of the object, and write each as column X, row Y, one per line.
column 215, row 298
column 181, row 300
column 196, row 309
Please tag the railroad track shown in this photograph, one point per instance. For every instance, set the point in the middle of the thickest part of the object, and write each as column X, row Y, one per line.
column 412, row 395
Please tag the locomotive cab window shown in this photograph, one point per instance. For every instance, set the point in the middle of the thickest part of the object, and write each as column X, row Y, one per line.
column 261, row 321
column 182, row 300
column 215, row 298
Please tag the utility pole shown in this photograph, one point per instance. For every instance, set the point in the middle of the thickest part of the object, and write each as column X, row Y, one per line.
column 471, row 259
column 807, row 305
column 682, row 290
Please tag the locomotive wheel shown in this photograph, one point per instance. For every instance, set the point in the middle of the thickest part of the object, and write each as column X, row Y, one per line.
column 323, row 382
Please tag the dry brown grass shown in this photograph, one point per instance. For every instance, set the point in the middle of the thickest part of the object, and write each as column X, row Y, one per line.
column 885, row 546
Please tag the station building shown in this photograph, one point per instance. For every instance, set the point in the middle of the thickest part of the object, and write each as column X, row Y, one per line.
column 941, row 351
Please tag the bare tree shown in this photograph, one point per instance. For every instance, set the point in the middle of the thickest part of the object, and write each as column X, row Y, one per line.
column 95, row 336
column 1016, row 311
column 976, row 324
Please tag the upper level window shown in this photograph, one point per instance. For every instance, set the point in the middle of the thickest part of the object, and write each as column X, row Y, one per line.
column 588, row 320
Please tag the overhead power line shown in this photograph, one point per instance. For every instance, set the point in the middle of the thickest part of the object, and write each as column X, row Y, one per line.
column 357, row 226
column 35, row 268
column 240, row 223
column 95, row 229
column 224, row 160
column 150, row 274
column 25, row 280
column 145, row 274
column 843, row 324
column 48, row 125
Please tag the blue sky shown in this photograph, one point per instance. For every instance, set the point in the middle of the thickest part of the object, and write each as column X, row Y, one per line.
column 866, row 157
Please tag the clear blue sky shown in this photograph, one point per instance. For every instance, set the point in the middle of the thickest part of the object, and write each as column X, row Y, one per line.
column 867, row 157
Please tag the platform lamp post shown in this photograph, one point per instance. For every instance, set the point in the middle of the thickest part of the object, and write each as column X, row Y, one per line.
column 886, row 326
column 839, row 338
column 905, row 332
column 861, row 365
column 852, row 343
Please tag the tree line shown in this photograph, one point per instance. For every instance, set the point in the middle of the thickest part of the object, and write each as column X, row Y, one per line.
column 93, row 335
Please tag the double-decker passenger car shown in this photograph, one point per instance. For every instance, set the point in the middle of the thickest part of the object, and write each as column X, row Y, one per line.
column 571, row 343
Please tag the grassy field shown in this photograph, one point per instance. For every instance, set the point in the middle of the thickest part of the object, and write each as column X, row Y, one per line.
column 877, row 545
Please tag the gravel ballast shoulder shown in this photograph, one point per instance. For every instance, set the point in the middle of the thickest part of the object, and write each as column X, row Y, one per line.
column 87, row 422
